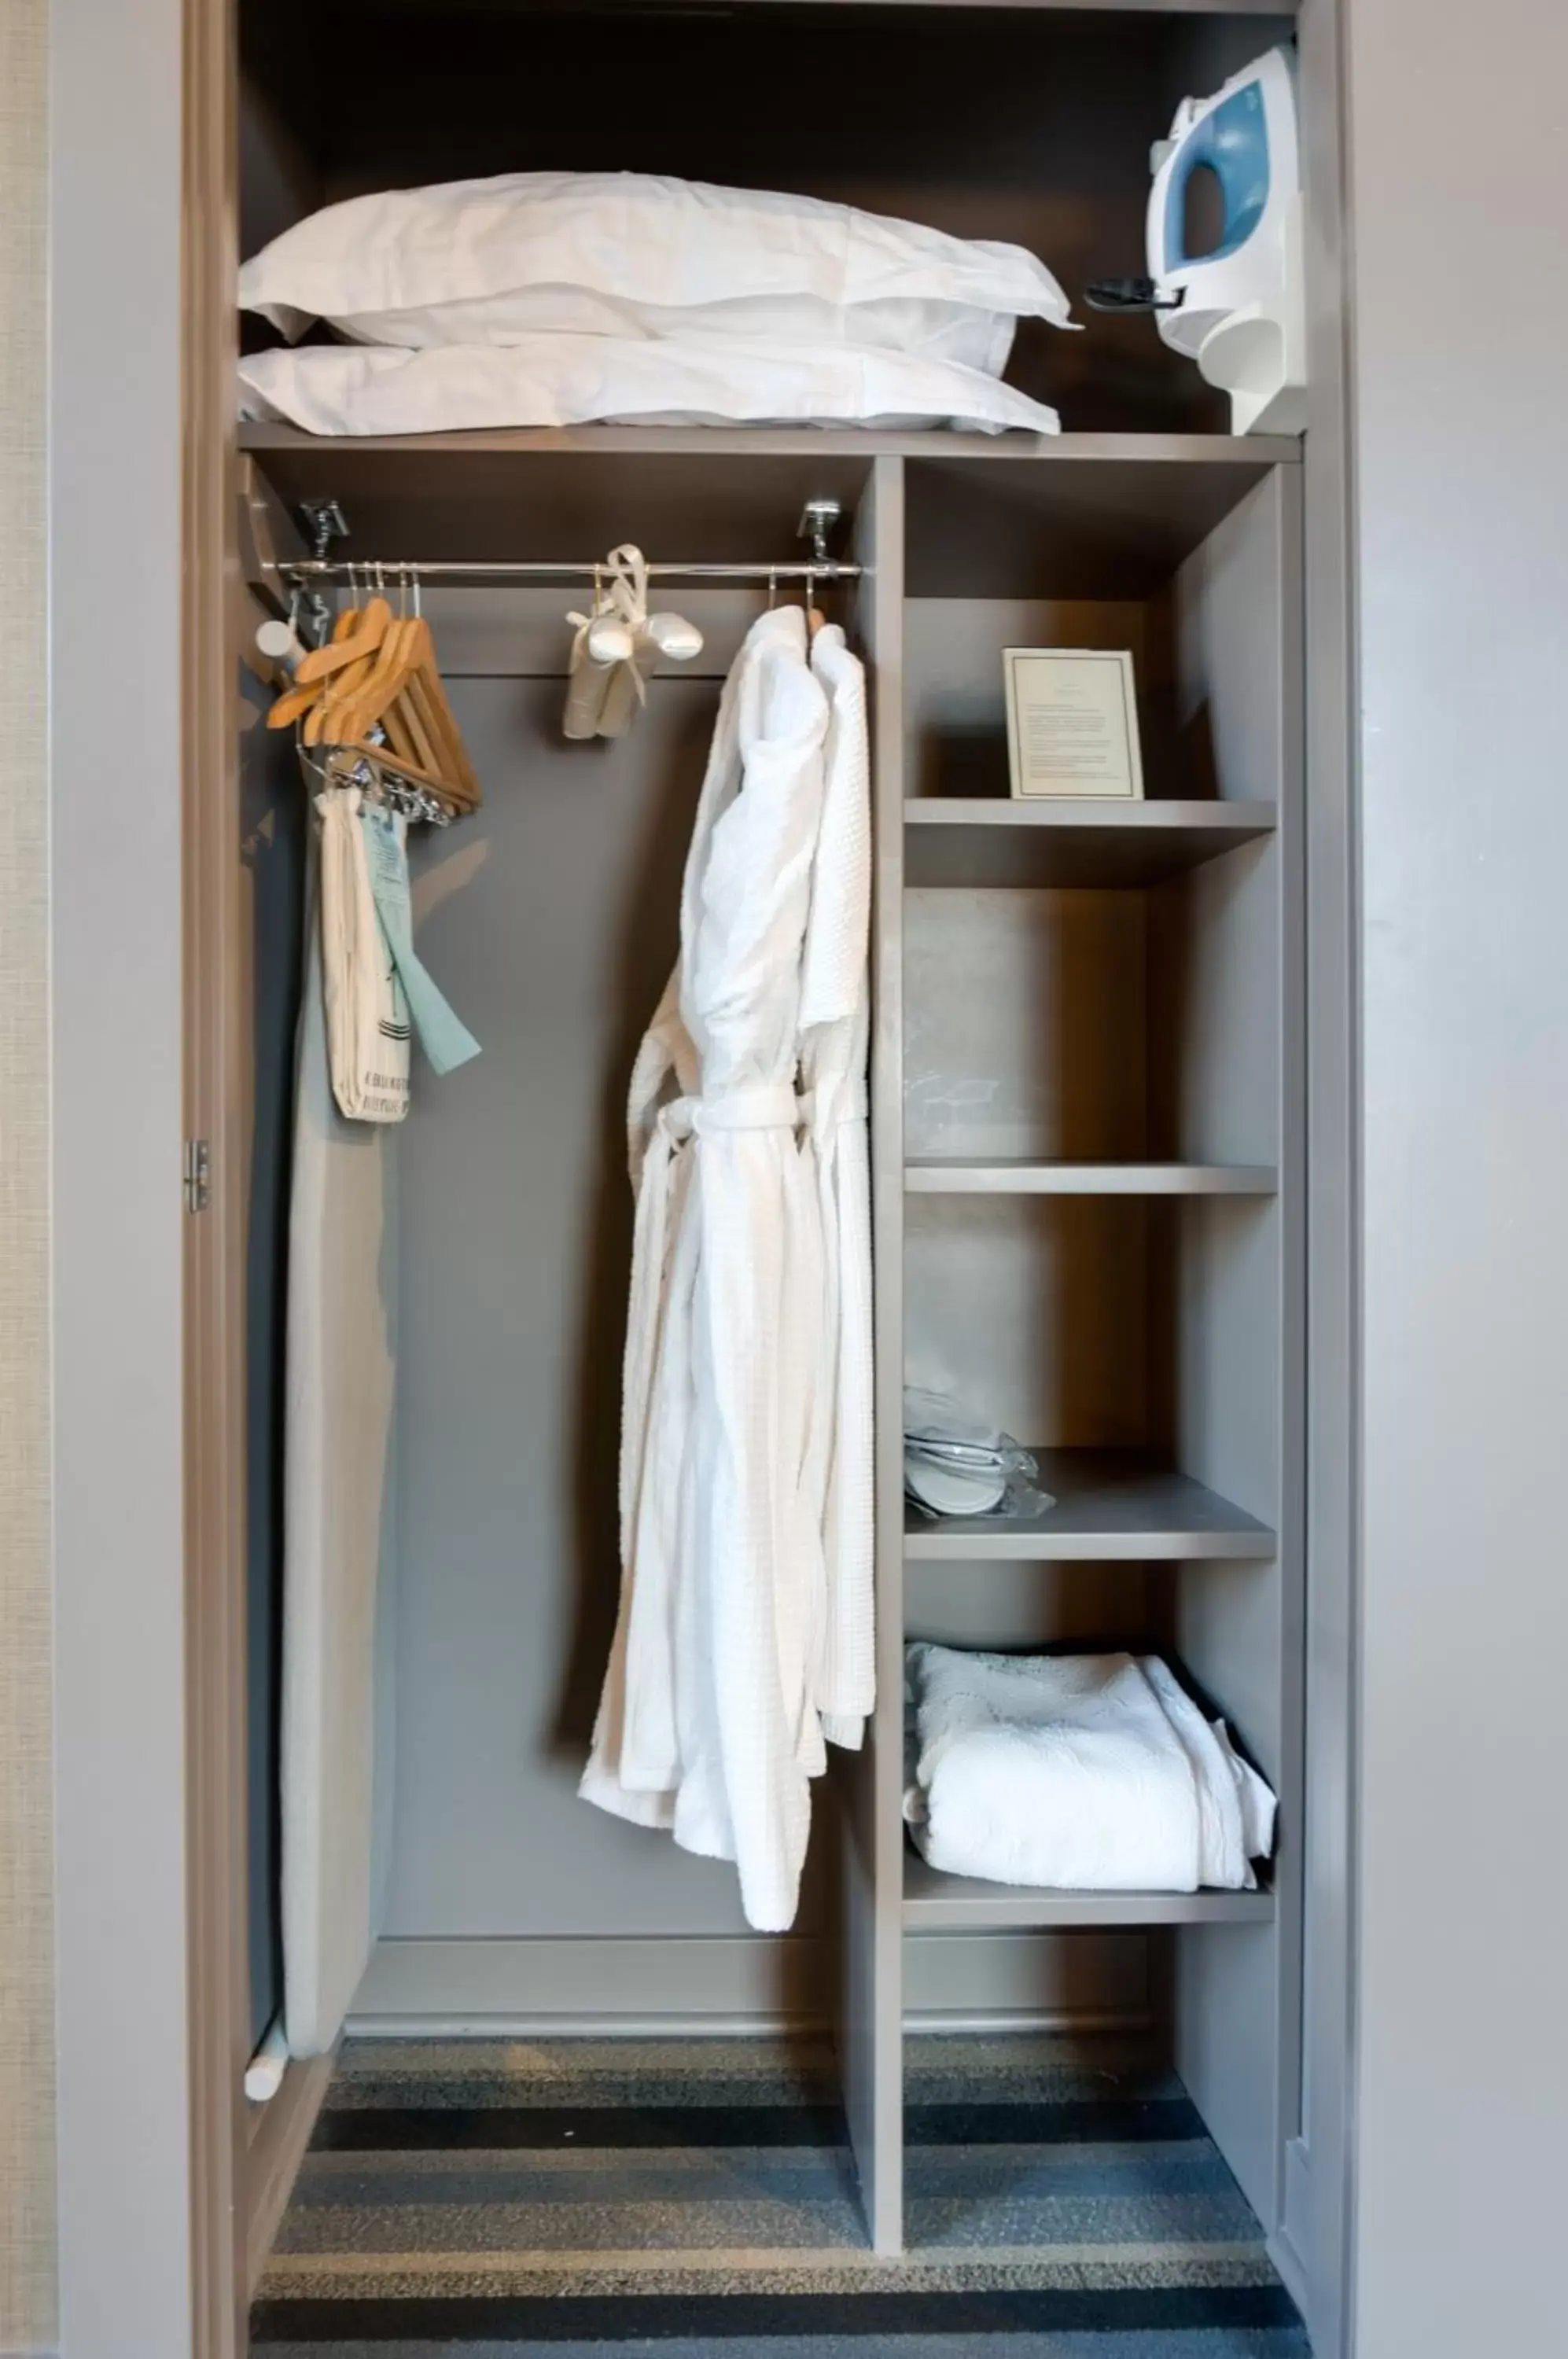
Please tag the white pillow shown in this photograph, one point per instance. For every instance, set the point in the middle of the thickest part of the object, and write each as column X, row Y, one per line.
column 628, row 254
column 941, row 332
column 579, row 380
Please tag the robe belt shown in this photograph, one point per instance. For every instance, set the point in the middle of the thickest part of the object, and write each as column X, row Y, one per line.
column 769, row 1107
column 772, row 1106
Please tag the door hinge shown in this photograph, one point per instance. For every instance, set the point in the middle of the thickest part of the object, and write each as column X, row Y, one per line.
column 198, row 1175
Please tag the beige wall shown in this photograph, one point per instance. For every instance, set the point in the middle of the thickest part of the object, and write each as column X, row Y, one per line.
column 27, row 2043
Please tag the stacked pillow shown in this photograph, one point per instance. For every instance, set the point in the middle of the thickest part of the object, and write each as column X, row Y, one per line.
column 552, row 298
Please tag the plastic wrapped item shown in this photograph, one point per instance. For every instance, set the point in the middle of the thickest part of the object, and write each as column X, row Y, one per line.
column 957, row 1464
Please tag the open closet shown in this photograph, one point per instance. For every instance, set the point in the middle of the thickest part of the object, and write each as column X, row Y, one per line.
column 1087, row 1090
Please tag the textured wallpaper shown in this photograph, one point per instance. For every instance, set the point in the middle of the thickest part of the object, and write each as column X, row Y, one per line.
column 26, row 2031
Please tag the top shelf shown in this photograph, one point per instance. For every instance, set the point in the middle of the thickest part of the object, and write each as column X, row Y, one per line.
column 1089, row 7
column 290, row 445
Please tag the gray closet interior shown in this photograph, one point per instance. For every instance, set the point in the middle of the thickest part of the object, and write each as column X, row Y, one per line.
column 1086, row 1092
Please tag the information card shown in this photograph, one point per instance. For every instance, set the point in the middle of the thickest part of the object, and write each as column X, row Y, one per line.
column 1073, row 724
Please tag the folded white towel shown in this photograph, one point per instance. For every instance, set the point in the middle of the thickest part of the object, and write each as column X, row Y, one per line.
column 1092, row 1773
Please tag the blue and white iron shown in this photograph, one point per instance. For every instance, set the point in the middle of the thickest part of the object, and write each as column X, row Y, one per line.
column 1237, row 308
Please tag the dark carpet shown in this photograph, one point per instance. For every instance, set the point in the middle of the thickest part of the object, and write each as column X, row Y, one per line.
column 696, row 2197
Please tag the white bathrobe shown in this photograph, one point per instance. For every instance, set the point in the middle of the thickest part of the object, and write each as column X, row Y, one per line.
column 835, row 1012
column 708, row 1723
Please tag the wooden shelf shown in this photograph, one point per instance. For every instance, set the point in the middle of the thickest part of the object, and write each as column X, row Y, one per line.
column 1124, row 8
column 934, row 1903
column 1112, row 1506
column 981, row 843
column 930, row 1176
column 1251, row 452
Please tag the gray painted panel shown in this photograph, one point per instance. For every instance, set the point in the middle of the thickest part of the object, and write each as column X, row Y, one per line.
column 1112, row 530
column 1226, row 621
column 1013, row 1607
column 1106, row 1504
column 681, row 497
column 1462, row 487
column 1229, row 1636
column 1079, row 1981
column 1219, row 950
column 1031, row 1310
column 702, row 1987
column 1329, row 1572
column 955, row 840
column 1026, row 1178
column 1215, row 1388
column 122, row 1922
column 1227, row 2048
column 550, row 919
column 1230, row 1404
column 1256, row 36
column 302, row 465
column 955, row 697
column 501, row 631
column 1214, row 1010
column 623, row 1984
column 1024, row 1025
column 965, row 1903
column 872, row 1931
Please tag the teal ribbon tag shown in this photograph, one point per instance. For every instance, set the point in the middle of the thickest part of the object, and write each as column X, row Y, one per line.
column 444, row 1038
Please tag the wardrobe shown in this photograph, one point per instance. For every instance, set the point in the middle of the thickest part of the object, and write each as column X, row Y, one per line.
column 1089, row 1085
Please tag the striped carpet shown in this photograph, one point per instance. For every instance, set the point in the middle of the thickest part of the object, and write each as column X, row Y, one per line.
column 696, row 2197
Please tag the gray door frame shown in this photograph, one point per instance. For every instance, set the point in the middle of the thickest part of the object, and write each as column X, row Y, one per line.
column 149, row 1461
column 126, row 2087
column 1323, row 2237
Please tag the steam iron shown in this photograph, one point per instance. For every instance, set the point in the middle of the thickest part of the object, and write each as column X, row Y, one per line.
column 1239, row 309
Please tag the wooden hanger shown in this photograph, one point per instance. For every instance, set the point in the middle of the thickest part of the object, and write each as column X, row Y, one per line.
column 341, row 692
column 373, row 696
column 369, row 629
column 401, row 766
column 359, row 634
column 378, row 673
column 296, row 700
column 430, row 689
column 405, row 696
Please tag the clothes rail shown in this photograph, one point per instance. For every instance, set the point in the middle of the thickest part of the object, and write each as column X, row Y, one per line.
column 304, row 571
